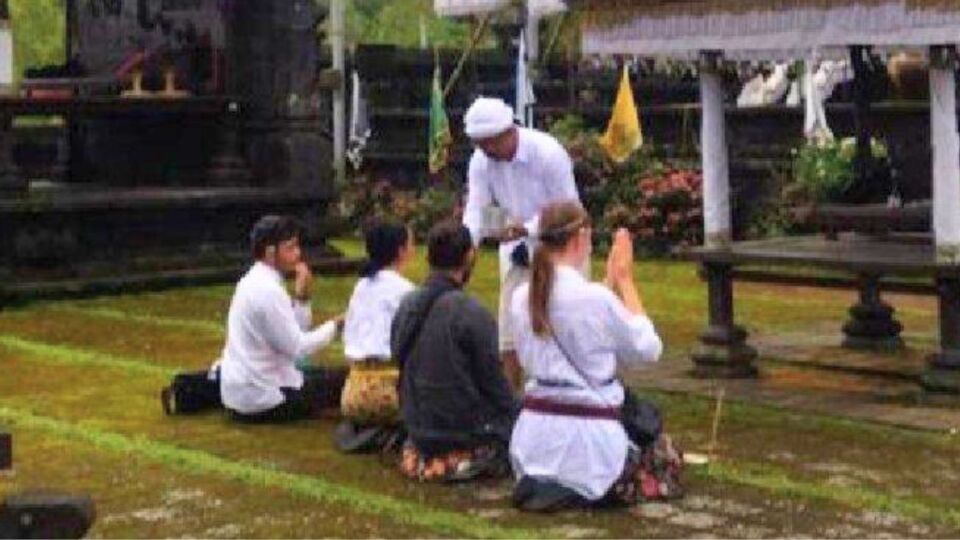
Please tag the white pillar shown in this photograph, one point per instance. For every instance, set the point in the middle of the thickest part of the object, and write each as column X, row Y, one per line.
column 946, row 158
column 6, row 49
column 337, row 44
column 713, row 145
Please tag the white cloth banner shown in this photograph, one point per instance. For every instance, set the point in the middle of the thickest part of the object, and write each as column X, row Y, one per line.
column 525, row 98
column 716, row 168
column 359, row 123
column 782, row 30
column 818, row 86
column 815, row 125
column 761, row 91
column 946, row 160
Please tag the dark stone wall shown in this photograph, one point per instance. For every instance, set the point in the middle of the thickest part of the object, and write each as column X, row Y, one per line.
column 163, row 194
column 274, row 62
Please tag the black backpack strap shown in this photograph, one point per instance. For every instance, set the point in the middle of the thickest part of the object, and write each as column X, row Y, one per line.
column 433, row 294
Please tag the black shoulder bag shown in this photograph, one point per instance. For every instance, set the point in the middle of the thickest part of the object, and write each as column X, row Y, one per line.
column 641, row 419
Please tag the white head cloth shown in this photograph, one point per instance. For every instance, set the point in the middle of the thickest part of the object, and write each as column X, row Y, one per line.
column 487, row 117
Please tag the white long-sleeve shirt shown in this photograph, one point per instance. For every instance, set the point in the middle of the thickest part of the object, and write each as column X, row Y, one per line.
column 373, row 305
column 598, row 332
column 267, row 331
column 540, row 173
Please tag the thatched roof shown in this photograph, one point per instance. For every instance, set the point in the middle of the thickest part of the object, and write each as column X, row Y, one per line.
column 764, row 28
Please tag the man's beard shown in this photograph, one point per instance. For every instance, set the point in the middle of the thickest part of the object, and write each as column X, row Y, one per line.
column 467, row 274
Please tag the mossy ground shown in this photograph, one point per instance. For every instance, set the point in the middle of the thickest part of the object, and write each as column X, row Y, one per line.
column 79, row 389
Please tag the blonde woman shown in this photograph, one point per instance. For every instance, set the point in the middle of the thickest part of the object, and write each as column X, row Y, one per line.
column 570, row 446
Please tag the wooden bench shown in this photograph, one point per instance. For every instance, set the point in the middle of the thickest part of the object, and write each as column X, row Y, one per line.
column 869, row 261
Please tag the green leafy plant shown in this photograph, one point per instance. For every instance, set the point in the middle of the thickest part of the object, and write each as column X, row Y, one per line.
column 824, row 171
column 39, row 33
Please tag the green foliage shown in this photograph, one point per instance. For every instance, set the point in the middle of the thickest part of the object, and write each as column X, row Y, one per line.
column 397, row 22
column 39, row 33
column 824, row 171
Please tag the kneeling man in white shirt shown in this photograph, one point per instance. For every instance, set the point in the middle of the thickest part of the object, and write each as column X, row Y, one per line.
column 268, row 331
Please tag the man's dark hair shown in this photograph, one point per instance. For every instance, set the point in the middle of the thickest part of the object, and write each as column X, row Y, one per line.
column 271, row 230
column 448, row 244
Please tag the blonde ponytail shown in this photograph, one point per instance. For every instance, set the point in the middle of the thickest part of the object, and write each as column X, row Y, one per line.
column 559, row 223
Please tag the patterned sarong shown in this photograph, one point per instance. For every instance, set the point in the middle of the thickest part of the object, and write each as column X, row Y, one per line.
column 370, row 393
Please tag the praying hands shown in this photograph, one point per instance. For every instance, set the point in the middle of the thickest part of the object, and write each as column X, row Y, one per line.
column 620, row 271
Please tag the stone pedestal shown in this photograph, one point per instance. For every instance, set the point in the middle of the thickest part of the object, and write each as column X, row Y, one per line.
column 871, row 325
column 275, row 60
column 723, row 351
column 943, row 369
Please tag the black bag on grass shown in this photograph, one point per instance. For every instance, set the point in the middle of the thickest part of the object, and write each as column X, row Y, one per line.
column 192, row 392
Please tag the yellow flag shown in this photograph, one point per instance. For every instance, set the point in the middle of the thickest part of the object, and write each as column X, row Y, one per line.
column 623, row 134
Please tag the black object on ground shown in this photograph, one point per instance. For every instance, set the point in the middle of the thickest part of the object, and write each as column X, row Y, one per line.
column 42, row 515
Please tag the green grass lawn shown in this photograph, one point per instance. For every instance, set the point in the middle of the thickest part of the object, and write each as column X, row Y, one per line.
column 79, row 392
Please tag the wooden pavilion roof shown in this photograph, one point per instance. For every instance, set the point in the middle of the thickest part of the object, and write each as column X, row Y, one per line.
column 764, row 29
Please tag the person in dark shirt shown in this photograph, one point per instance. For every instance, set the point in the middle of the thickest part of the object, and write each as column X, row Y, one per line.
column 455, row 402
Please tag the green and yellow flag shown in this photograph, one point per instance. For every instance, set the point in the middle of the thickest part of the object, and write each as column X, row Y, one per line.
column 623, row 135
column 440, row 137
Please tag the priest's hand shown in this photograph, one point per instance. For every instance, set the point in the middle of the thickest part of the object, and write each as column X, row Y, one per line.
column 340, row 321
column 511, row 233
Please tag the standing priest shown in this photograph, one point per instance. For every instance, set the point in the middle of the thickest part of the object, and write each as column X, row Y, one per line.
column 514, row 172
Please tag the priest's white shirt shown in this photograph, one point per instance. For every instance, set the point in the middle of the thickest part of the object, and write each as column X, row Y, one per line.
column 267, row 331
column 540, row 173
column 598, row 332
column 372, row 307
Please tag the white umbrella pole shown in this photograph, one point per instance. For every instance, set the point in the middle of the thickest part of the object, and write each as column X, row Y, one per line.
column 337, row 43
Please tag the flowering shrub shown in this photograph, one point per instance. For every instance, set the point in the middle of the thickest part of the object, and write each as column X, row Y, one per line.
column 367, row 199
column 669, row 212
column 661, row 206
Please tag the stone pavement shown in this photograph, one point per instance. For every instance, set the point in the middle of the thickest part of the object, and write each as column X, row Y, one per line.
column 814, row 374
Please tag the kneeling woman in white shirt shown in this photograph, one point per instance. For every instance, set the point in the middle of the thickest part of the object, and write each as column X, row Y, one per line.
column 370, row 394
column 569, row 443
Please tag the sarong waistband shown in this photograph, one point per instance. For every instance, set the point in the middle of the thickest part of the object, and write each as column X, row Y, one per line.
column 549, row 406
column 374, row 363
column 556, row 383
